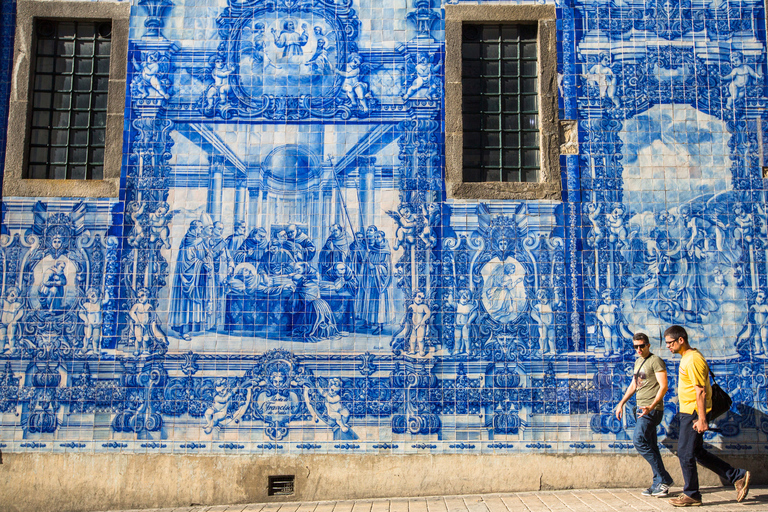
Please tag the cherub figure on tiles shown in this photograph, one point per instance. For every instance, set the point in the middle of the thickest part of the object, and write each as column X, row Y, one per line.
column 744, row 228
column 542, row 314
column 739, row 78
column 603, row 75
column 329, row 407
column 427, row 82
column 354, row 87
column 150, row 79
column 759, row 311
column 217, row 412
column 153, row 224
column 145, row 333
column 611, row 325
column 431, row 218
column 13, row 310
column 415, row 327
column 595, row 234
column 218, row 415
column 466, row 312
column 217, row 93
column 91, row 315
column 407, row 226
column 756, row 327
column 615, row 221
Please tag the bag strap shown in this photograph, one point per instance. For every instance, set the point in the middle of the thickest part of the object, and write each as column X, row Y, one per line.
column 641, row 365
column 711, row 374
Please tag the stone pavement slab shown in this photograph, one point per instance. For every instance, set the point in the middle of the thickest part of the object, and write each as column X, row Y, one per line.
column 716, row 499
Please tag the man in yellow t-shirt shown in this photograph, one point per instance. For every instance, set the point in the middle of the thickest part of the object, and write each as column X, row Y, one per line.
column 695, row 400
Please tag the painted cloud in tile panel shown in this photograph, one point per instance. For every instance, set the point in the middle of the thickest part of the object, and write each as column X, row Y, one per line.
column 673, row 153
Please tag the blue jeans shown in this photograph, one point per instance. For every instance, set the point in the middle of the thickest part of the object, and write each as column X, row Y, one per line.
column 647, row 445
column 690, row 450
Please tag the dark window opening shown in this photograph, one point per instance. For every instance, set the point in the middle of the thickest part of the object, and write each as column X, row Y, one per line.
column 69, row 86
column 500, row 104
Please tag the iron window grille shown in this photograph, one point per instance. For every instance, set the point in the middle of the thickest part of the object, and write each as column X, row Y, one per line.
column 69, row 99
column 500, row 103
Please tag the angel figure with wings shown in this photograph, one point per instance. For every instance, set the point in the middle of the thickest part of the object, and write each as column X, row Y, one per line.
column 217, row 415
column 135, row 210
column 356, row 90
column 431, row 216
column 320, row 63
column 329, row 407
column 151, row 79
column 602, row 74
column 407, row 223
column 218, row 91
column 427, row 78
column 158, row 224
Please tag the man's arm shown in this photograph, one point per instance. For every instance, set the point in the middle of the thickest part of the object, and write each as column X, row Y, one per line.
column 627, row 395
column 661, row 378
column 701, row 425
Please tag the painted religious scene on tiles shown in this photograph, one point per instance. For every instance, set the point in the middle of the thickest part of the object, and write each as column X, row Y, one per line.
column 283, row 273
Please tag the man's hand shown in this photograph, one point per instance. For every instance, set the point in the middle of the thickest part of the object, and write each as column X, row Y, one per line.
column 701, row 426
column 619, row 411
column 643, row 411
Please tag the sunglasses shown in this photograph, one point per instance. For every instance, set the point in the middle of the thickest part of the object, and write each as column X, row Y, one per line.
column 670, row 342
column 637, row 347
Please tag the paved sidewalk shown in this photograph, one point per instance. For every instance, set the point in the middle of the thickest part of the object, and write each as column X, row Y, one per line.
column 715, row 499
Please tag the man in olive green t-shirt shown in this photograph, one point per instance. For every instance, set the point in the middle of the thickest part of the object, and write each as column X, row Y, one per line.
column 649, row 381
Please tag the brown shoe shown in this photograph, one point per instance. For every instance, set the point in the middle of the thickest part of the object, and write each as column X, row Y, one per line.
column 684, row 501
column 742, row 487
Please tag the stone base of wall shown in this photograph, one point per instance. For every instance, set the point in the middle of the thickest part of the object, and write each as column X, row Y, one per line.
column 77, row 482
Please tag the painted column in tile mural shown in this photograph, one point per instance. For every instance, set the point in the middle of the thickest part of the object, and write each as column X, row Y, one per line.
column 283, row 273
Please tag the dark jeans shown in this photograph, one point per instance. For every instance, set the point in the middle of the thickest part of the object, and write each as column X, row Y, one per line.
column 690, row 450
column 647, row 445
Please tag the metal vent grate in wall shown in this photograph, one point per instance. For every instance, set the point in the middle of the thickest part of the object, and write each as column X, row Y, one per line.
column 281, row 485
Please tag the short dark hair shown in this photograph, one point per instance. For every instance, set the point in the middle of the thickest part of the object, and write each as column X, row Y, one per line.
column 676, row 332
column 640, row 336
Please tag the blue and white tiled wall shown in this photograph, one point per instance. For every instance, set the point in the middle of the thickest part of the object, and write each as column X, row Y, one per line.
column 283, row 274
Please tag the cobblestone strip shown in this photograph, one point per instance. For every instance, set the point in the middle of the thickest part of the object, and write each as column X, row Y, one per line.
column 380, row 506
column 362, row 506
column 475, row 504
column 417, row 505
column 514, row 503
column 495, row 504
column 436, row 504
column 455, row 504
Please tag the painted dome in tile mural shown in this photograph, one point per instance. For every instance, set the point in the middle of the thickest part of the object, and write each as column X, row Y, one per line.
column 290, row 167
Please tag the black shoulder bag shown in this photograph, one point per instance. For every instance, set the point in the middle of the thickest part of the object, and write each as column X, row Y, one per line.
column 721, row 402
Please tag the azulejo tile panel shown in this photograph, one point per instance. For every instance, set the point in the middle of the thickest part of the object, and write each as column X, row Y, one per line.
column 282, row 273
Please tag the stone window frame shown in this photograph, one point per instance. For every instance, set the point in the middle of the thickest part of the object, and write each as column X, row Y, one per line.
column 549, row 185
column 19, row 111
